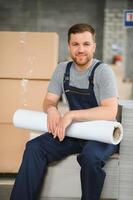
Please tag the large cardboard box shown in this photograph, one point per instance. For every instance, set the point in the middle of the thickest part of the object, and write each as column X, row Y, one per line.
column 15, row 94
column 12, row 145
column 31, row 55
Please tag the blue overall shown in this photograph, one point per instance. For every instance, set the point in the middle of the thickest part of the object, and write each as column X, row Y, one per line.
column 43, row 150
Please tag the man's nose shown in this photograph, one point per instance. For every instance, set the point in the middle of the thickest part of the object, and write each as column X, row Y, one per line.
column 81, row 48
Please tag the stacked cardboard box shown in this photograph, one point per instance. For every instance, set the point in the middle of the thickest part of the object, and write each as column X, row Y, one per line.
column 27, row 61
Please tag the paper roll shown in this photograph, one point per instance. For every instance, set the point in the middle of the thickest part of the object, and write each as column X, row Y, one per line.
column 100, row 130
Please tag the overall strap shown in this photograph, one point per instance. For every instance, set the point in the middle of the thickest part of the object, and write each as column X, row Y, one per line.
column 92, row 73
column 67, row 72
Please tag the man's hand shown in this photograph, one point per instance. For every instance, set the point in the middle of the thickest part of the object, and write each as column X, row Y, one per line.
column 64, row 122
column 53, row 118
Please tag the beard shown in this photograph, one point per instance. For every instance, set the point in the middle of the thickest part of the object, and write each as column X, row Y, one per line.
column 82, row 60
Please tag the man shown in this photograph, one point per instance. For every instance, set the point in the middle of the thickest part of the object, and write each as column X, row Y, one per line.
column 90, row 90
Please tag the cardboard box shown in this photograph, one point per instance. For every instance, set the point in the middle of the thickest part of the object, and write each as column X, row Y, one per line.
column 15, row 94
column 30, row 55
column 12, row 145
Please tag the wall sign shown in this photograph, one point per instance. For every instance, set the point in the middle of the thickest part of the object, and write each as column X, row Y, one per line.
column 128, row 18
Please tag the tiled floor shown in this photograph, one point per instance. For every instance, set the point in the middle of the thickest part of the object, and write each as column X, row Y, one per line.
column 5, row 191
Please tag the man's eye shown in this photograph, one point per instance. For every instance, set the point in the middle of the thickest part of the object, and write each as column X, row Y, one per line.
column 75, row 44
column 87, row 44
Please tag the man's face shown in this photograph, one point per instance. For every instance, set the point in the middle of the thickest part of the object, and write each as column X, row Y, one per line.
column 81, row 48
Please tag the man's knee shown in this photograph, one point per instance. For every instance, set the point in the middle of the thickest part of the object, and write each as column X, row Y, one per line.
column 35, row 150
column 32, row 145
column 37, row 143
column 90, row 158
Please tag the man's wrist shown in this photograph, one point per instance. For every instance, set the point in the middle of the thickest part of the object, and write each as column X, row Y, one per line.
column 72, row 115
column 51, row 108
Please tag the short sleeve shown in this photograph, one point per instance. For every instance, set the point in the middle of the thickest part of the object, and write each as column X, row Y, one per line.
column 56, row 83
column 106, row 82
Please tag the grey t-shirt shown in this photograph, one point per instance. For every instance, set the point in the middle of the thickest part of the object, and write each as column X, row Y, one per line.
column 104, row 80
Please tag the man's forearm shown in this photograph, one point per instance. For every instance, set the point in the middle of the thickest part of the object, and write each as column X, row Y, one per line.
column 97, row 113
column 48, row 105
column 106, row 111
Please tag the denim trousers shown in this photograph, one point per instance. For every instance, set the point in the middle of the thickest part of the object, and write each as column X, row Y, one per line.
column 45, row 149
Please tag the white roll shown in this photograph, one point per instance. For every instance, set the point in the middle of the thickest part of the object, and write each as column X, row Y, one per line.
column 100, row 130
column 29, row 119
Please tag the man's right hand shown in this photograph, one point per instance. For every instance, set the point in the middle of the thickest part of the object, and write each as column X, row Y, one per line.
column 53, row 118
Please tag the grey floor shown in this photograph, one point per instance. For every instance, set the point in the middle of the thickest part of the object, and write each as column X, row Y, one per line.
column 5, row 191
column 6, row 183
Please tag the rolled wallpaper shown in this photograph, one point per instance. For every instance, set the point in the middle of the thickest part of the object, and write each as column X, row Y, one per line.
column 100, row 130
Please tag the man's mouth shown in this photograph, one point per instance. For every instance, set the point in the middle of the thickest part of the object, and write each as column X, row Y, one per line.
column 81, row 55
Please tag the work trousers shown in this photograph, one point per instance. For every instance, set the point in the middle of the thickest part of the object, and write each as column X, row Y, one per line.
column 45, row 149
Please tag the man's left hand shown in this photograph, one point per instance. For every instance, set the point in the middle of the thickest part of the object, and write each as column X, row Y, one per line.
column 64, row 122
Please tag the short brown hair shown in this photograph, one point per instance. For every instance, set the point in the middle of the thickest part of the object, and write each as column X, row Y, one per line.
column 80, row 28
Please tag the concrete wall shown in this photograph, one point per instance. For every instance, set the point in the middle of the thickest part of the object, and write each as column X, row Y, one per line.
column 118, row 38
column 114, row 30
column 53, row 15
column 129, row 50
